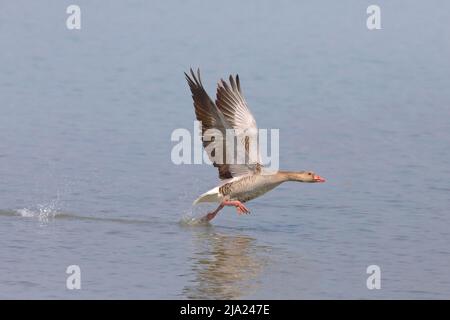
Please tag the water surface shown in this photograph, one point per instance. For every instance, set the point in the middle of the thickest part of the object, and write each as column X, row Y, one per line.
column 85, row 169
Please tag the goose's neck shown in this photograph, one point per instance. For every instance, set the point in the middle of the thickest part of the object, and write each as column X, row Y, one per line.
column 290, row 176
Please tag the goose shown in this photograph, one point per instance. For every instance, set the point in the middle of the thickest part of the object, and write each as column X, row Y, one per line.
column 241, row 181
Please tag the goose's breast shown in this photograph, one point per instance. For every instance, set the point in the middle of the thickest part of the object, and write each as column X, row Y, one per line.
column 251, row 187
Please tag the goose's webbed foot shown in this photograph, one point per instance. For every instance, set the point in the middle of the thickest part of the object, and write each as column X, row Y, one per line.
column 240, row 208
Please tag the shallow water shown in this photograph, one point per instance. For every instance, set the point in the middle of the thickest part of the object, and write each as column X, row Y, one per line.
column 85, row 169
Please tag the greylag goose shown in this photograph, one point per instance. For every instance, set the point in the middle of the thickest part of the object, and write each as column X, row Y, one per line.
column 241, row 181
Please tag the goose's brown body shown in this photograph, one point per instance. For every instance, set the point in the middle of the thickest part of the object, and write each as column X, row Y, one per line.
column 250, row 187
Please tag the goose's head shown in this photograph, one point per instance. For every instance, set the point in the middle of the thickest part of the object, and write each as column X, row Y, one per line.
column 309, row 176
column 303, row 176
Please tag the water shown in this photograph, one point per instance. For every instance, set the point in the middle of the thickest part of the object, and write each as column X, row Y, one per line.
column 85, row 169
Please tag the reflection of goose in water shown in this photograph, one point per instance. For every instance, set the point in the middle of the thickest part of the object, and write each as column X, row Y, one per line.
column 225, row 266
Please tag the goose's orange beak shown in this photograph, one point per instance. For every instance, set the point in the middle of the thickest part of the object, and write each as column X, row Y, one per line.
column 318, row 178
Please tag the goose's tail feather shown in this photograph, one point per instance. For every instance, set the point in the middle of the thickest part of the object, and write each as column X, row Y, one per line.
column 209, row 196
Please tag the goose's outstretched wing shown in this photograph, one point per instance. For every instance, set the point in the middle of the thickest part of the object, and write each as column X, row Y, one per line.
column 233, row 106
column 213, row 119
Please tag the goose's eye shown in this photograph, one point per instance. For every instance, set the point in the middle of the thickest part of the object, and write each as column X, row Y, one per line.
column 309, row 173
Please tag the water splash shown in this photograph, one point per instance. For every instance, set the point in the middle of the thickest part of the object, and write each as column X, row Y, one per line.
column 43, row 212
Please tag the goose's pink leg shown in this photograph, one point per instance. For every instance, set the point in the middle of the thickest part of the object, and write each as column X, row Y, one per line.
column 213, row 214
column 240, row 208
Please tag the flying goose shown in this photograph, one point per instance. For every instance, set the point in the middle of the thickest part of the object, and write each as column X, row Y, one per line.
column 242, row 180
